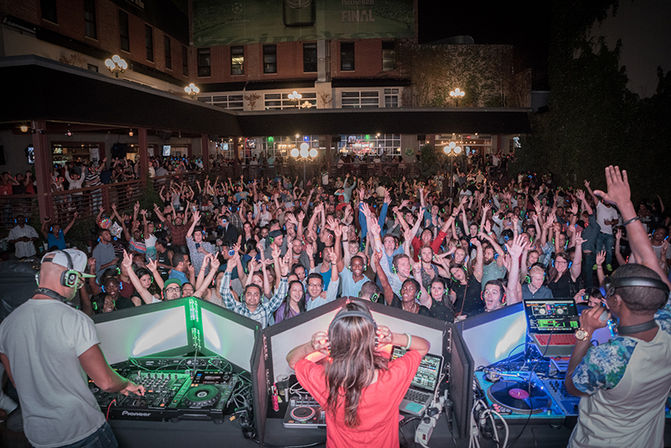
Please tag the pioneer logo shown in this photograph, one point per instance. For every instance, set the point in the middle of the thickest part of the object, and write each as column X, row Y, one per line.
column 136, row 414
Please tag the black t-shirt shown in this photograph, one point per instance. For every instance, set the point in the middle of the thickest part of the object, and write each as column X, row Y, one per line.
column 423, row 311
column 441, row 311
column 564, row 286
column 468, row 299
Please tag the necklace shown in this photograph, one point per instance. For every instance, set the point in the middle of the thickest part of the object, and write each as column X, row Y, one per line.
column 632, row 329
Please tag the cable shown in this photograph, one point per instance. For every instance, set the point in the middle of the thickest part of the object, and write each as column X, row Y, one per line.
column 109, row 406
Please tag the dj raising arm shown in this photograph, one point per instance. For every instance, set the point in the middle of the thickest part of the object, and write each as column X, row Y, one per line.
column 624, row 383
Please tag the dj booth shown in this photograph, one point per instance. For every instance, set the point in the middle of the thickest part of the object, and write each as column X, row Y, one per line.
column 212, row 375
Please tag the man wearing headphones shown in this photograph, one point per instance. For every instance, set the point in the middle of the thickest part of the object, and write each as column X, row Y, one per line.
column 625, row 382
column 46, row 339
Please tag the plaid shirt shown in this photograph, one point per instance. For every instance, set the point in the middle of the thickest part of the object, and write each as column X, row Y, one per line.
column 264, row 312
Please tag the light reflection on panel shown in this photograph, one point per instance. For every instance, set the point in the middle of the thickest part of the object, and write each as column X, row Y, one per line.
column 143, row 334
column 228, row 339
column 493, row 341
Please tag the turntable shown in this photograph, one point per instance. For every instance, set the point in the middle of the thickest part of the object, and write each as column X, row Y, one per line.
column 519, row 399
column 304, row 412
column 205, row 398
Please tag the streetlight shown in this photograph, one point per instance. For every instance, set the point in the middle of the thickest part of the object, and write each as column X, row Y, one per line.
column 452, row 150
column 456, row 94
column 192, row 90
column 116, row 64
column 295, row 96
column 304, row 154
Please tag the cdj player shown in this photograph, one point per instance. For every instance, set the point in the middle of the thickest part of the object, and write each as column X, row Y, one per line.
column 170, row 395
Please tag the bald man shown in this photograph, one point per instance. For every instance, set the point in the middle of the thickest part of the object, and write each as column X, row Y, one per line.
column 44, row 344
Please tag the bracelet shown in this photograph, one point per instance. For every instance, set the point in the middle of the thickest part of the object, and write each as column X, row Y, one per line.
column 635, row 218
column 407, row 347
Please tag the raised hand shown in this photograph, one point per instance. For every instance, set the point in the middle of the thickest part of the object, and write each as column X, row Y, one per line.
column 215, row 263
column 152, row 265
column 617, row 184
column 517, row 247
column 600, row 257
column 127, row 261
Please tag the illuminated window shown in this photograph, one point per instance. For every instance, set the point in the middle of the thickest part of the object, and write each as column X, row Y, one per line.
column 237, row 60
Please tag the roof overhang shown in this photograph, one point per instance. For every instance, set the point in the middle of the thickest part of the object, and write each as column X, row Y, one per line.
column 42, row 89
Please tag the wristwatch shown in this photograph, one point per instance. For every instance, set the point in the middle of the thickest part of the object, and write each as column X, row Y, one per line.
column 581, row 334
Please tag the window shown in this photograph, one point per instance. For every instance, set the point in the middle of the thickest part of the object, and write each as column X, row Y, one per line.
column 237, row 60
column 347, row 56
column 90, row 29
column 168, row 52
column 149, row 42
column 123, row 31
column 204, row 62
column 310, row 57
column 270, row 59
column 388, row 56
column 391, row 97
column 185, row 61
column 365, row 99
column 49, row 10
column 231, row 102
column 282, row 100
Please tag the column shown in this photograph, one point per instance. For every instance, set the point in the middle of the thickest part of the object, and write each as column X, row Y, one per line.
column 144, row 157
column 43, row 166
column 205, row 150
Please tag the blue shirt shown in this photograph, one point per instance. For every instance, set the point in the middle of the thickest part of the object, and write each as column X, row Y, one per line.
column 350, row 288
column 56, row 241
column 179, row 275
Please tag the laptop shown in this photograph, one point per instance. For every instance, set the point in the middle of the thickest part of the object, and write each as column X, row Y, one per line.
column 423, row 386
column 551, row 325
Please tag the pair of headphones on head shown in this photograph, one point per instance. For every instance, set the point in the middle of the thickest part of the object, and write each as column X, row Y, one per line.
column 461, row 266
column 103, row 286
column 498, row 283
column 348, row 312
column 527, row 278
column 362, row 260
column 611, row 284
column 570, row 263
column 25, row 220
column 69, row 278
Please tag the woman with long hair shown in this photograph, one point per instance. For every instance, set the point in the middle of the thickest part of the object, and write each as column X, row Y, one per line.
column 358, row 387
column 294, row 304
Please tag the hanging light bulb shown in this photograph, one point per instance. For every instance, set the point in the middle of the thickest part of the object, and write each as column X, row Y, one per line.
column 130, row 132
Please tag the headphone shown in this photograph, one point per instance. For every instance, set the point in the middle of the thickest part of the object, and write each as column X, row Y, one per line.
column 570, row 263
column 611, row 284
column 103, row 285
column 375, row 297
column 462, row 267
column 25, row 220
column 503, row 292
column 344, row 312
column 362, row 260
column 527, row 278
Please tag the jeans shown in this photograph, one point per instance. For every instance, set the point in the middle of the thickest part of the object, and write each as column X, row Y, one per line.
column 605, row 241
column 102, row 438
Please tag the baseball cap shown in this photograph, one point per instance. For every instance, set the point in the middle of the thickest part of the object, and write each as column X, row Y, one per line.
column 76, row 262
column 171, row 281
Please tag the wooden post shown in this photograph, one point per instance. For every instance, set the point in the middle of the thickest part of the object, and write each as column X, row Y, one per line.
column 205, row 150
column 144, row 157
column 43, row 166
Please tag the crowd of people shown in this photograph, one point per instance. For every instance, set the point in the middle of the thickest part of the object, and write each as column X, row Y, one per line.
column 273, row 248
column 402, row 242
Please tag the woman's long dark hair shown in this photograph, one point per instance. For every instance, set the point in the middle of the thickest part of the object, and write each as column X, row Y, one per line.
column 354, row 358
column 287, row 301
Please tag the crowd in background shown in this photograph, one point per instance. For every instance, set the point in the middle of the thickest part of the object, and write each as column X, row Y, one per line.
column 272, row 248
